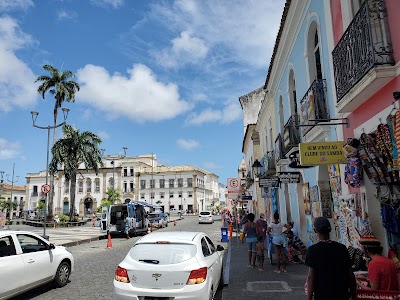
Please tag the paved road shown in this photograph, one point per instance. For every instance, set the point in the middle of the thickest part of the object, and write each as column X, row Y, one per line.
column 95, row 265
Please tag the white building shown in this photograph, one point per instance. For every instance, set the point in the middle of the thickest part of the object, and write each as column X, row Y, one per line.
column 137, row 178
column 16, row 193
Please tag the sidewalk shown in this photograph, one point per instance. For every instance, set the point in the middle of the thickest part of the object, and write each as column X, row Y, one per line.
column 249, row 283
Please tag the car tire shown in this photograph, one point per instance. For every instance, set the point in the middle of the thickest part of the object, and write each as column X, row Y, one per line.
column 62, row 275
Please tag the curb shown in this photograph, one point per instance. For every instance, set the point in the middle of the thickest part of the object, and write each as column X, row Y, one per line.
column 227, row 267
column 85, row 241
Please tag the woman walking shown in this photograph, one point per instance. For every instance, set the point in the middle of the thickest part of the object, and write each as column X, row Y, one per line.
column 250, row 232
column 279, row 241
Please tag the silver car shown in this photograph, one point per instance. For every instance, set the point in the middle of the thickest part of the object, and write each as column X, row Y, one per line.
column 206, row 217
column 27, row 261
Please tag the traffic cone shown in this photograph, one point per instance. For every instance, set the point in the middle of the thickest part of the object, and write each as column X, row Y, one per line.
column 109, row 242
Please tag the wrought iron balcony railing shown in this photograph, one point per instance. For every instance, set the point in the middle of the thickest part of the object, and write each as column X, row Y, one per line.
column 291, row 134
column 279, row 148
column 314, row 106
column 366, row 43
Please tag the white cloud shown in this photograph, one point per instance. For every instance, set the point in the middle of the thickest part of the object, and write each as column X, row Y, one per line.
column 8, row 149
column 228, row 114
column 104, row 3
column 138, row 96
column 6, row 5
column 185, row 49
column 67, row 15
column 103, row 135
column 188, row 144
column 211, row 166
column 240, row 31
column 17, row 87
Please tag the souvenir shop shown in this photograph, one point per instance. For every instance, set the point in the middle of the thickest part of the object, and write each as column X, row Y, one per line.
column 372, row 206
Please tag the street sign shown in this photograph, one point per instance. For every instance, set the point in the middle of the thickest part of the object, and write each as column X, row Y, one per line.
column 289, row 177
column 233, row 188
column 272, row 181
column 45, row 188
column 247, row 197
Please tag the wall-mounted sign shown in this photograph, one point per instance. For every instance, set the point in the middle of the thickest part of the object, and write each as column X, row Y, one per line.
column 322, row 153
column 247, row 198
column 272, row 181
column 289, row 177
column 295, row 161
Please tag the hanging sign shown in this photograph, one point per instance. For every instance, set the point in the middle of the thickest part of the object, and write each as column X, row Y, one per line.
column 295, row 161
column 272, row 181
column 289, row 177
column 322, row 153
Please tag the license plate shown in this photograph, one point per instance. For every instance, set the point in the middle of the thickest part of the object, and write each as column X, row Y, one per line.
column 155, row 298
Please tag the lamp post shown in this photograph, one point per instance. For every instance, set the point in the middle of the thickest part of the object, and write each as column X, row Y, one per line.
column 12, row 189
column 34, row 117
column 1, row 183
column 112, row 159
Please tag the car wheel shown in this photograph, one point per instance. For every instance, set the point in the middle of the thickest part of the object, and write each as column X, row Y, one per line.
column 62, row 274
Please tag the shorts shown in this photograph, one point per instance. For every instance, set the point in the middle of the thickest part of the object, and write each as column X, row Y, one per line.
column 260, row 257
column 279, row 239
column 251, row 242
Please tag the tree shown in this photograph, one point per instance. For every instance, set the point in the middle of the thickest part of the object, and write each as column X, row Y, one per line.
column 72, row 150
column 63, row 89
column 113, row 196
column 5, row 204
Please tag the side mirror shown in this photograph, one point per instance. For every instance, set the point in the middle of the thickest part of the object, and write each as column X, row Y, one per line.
column 52, row 246
column 220, row 248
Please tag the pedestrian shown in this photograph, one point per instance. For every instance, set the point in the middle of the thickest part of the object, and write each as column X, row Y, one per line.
column 279, row 242
column 126, row 223
column 250, row 232
column 94, row 219
column 295, row 248
column 56, row 221
column 262, row 227
column 260, row 253
column 329, row 276
column 382, row 271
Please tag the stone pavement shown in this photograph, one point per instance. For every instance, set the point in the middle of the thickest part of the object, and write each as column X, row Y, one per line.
column 242, row 282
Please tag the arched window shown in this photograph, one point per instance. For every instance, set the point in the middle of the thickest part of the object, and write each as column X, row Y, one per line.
column 97, row 185
column 65, row 206
column 88, row 185
column 313, row 53
column 281, row 115
column 66, row 186
column 292, row 94
column 80, row 186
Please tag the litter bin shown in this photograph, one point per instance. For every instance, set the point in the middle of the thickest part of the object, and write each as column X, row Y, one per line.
column 224, row 235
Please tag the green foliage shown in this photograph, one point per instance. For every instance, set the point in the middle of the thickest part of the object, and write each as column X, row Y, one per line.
column 41, row 205
column 63, row 218
column 6, row 205
column 104, row 202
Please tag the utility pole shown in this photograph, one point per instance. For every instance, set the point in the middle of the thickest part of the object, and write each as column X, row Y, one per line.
column 12, row 189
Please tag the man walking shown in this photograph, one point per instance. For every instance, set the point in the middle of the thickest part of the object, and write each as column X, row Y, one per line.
column 329, row 276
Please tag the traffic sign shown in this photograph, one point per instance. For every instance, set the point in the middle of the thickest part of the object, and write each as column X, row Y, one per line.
column 45, row 188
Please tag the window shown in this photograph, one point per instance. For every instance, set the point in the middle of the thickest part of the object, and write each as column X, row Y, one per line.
column 162, row 183
column 125, row 172
column 152, row 195
column 171, row 194
column 211, row 245
column 66, row 186
column 180, row 194
column 97, row 185
column 31, row 244
column 131, row 186
column 204, row 247
column 111, row 182
column 162, row 195
column 88, row 185
column 180, row 182
column 172, row 183
column 35, row 190
column 141, row 195
column 190, row 194
column 190, row 182
column 7, row 247
column 152, row 183
column 80, row 186
column 131, row 171
column 125, row 187
column 142, row 184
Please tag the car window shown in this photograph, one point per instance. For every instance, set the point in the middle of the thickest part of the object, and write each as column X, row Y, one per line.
column 163, row 254
column 7, row 247
column 204, row 247
column 30, row 243
column 205, row 213
column 210, row 244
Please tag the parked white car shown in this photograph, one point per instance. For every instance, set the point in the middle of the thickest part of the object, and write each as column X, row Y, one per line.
column 170, row 265
column 206, row 217
column 27, row 261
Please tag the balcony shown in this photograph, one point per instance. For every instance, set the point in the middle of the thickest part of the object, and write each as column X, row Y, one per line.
column 314, row 106
column 363, row 58
column 291, row 134
column 279, row 148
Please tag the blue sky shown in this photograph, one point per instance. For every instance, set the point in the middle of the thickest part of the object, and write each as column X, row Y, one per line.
column 159, row 77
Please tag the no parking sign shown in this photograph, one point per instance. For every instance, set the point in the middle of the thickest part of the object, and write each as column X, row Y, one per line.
column 233, row 188
column 45, row 188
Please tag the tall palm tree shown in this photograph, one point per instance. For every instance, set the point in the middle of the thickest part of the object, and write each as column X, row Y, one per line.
column 63, row 89
column 73, row 149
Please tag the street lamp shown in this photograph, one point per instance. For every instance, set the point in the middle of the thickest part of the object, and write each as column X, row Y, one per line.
column 12, row 189
column 112, row 159
column 257, row 166
column 34, row 117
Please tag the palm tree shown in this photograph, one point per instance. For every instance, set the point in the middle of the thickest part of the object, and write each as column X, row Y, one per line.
column 69, row 152
column 63, row 89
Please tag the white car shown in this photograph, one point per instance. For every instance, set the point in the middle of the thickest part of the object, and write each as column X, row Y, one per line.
column 170, row 265
column 27, row 261
column 206, row 217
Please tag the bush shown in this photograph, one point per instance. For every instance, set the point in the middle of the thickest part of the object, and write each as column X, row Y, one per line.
column 63, row 218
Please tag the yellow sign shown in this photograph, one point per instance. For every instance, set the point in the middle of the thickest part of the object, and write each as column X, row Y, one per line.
column 323, row 153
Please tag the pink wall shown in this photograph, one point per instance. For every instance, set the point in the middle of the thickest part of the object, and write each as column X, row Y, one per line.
column 393, row 8
column 337, row 24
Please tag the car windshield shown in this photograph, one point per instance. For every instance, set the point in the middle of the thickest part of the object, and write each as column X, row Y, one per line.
column 153, row 216
column 163, row 253
column 205, row 213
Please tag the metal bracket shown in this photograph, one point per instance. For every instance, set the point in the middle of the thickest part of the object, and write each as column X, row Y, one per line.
column 346, row 122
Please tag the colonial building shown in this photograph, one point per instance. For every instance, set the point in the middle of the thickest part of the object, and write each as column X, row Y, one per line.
column 13, row 193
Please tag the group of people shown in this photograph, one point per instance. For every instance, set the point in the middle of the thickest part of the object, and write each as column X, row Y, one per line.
column 282, row 236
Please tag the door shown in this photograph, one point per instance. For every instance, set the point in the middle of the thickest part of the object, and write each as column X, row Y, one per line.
column 215, row 259
column 38, row 260
column 104, row 219
column 11, row 266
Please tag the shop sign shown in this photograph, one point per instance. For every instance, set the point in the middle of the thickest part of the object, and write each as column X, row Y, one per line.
column 295, row 161
column 322, row 153
column 272, row 181
column 289, row 177
column 247, row 198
